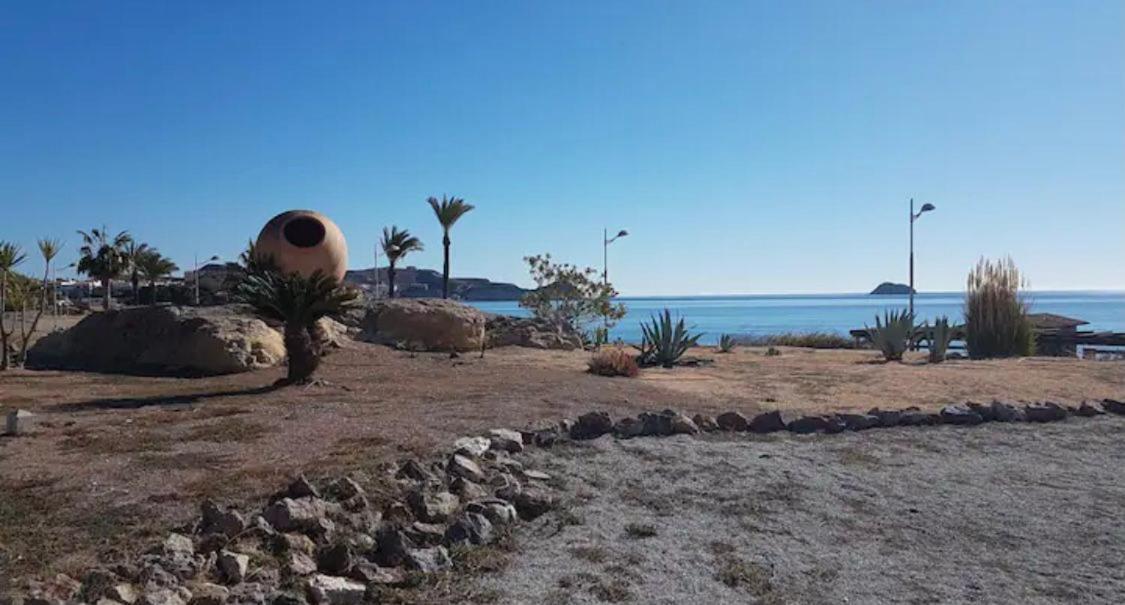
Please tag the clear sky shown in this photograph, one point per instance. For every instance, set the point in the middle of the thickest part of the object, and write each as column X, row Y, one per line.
column 749, row 147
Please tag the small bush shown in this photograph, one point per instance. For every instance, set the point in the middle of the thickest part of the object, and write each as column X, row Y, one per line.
column 940, row 336
column 996, row 323
column 664, row 342
column 773, row 352
column 892, row 334
column 812, row 340
column 614, row 361
column 726, row 343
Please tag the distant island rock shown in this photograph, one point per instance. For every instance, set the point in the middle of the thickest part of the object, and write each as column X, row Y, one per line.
column 892, row 288
column 412, row 282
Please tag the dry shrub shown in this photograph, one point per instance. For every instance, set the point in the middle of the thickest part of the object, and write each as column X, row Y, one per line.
column 614, row 361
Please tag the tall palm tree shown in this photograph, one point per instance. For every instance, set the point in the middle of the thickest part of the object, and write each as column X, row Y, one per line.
column 397, row 244
column 298, row 302
column 132, row 253
column 48, row 249
column 153, row 265
column 448, row 210
column 103, row 257
column 10, row 256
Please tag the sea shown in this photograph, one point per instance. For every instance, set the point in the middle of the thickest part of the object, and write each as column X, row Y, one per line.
column 775, row 314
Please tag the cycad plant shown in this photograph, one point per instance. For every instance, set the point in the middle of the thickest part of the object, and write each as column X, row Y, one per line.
column 892, row 334
column 298, row 302
column 103, row 258
column 726, row 343
column 664, row 342
column 940, row 336
column 397, row 243
column 996, row 323
column 10, row 256
column 448, row 211
column 152, row 266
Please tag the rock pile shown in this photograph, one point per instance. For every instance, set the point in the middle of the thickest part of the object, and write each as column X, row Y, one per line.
column 329, row 542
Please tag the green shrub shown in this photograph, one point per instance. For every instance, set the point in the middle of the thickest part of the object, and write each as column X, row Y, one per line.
column 664, row 342
column 812, row 340
column 996, row 323
column 726, row 343
column 613, row 361
column 940, row 336
column 892, row 334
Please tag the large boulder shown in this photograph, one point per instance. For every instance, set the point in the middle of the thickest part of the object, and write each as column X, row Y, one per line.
column 530, row 332
column 164, row 340
column 424, row 324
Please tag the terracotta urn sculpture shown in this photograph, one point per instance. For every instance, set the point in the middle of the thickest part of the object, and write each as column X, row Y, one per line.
column 303, row 241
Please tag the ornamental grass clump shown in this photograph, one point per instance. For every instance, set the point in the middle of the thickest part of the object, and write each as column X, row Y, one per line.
column 613, row 361
column 996, row 322
column 892, row 335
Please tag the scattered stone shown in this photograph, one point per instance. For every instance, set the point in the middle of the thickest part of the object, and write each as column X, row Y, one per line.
column 369, row 573
column 206, row 593
column 162, row 596
column 300, row 564
column 1114, row 406
column 1006, row 412
column 1044, row 412
column 834, row 424
column 1088, row 409
column 334, row 590
column 506, row 440
column 887, row 418
column 916, row 417
column 859, row 422
column 287, row 597
column 473, row 528
column 301, row 487
column 287, row 514
column 177, row 545
column 533, row 501
column 591, row 425
column 466, row 468
column 335, row 559
column 732, row 421
column 225, row 522
column 466, row 489
column 122, row 593
column 412, row 469
column 705, row 423
column 545, row 437
column 425, row 534
column 433, row 507
column 295, row 543
column 97, row 583
column 429, row 560
column 960, row 415
column 497, row 511
column 767, row 422
column 18, row 422
column 628, row 427
column 682, row 425
column 474, row 447
column 345, row 488
column 986, row 412
column 398, row 513
column 233, row 566
column 393, row 546
column 808, row 424
column 535, row 475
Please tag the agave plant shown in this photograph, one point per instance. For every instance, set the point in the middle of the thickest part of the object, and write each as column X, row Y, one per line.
column 298, row 302
column 726, row 343
column 664, row 342
column 940, row 336
column 892, row 335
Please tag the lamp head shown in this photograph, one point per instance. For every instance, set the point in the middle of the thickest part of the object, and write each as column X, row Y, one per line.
column 926, row 208
column 621, row 233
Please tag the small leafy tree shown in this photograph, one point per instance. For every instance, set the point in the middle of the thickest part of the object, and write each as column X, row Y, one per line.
column 568, row 297
column 397, row 243
column 103, row 258
column 448, row 211
column 153, row 266
column 10, row 256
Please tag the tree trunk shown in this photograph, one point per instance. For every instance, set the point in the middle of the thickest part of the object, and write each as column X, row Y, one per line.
column 391, row 280
column 107, row 296
column 3, row 332
column 303, row 356
column 136, row 289
column 445, row 267
column 152, row 286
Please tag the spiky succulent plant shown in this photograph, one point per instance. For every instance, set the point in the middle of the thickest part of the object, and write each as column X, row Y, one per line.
column 892, row 335
column 664, row 342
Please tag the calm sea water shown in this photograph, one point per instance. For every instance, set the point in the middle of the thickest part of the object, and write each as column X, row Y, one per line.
column 772, row 314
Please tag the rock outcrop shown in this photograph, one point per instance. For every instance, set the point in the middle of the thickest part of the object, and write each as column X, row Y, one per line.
column 505, row 331
column 164, row 340
column 424, row 324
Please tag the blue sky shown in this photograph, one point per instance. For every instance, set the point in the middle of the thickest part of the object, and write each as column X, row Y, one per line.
column 749, row 147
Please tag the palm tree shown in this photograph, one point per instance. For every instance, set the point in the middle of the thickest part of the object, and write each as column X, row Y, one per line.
column 298, row 302
column 132, row 253
column 49, row 249
column 153, row 265
column 10, row 256
column 397, row 244
column 448, row 210
column 103, row 258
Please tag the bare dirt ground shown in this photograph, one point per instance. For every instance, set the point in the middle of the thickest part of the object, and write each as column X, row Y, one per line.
column 115, row 459
column 992, row 514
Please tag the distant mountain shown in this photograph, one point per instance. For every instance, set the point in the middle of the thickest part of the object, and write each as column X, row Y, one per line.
column 412, row 282
column 892, row 288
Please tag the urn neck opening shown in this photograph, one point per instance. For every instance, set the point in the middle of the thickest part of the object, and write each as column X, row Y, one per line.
column 304, row 232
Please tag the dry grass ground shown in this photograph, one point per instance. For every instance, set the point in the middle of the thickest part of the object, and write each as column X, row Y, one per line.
column 114, row 459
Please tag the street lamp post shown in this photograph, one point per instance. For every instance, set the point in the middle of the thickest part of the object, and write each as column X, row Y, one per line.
column 213, row 258
column 914, row 217
column 606, row 241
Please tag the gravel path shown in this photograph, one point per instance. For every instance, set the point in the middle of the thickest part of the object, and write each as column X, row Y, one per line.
column 993, row 514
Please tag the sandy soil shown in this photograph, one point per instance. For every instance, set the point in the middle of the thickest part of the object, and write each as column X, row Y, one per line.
column 992, row 514
column 114, row 459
